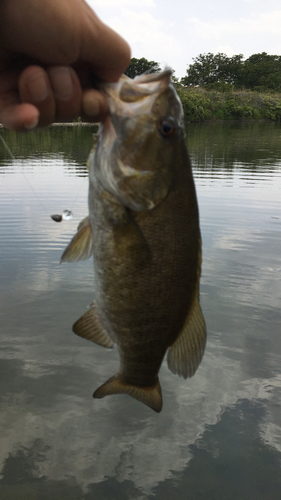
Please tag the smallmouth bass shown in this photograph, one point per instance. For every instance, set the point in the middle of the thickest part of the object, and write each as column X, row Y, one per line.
column 143, row 232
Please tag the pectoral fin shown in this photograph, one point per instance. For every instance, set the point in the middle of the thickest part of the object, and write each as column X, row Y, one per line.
column 90, row 328
column 185, row 354
column 150, row 396
column 81, row 245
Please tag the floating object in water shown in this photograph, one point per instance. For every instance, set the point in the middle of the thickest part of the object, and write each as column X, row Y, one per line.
column 66, row 215
column 56, row 217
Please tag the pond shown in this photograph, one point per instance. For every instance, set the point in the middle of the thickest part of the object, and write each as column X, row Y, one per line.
column 219, row 433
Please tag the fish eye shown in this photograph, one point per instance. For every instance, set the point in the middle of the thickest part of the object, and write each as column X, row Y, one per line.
column 167, row 127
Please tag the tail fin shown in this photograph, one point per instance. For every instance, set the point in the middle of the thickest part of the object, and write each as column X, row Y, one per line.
column 150, row 396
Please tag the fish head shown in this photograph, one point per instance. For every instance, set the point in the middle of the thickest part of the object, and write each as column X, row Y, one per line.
column 137, row 144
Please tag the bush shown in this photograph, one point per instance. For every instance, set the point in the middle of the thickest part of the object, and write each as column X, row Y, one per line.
column 271, row 107
column 196, row 106
column 232, row 109
column 200, row 104
column 220, row 87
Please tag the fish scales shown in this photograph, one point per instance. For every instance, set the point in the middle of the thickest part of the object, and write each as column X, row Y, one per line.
column 144, row 226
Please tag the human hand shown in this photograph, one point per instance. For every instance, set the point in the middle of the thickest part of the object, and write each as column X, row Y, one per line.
column 48, row 51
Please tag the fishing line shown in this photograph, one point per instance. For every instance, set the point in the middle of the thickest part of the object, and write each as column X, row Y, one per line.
column 66, row 212
column 31, row 187
column 78, row 192
column 66, row 215
column 7, row 147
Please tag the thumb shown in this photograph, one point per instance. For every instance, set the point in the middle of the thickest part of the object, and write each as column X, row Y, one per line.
column 107, row 52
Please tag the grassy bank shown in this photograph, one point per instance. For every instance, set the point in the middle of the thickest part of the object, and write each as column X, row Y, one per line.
column 200, row 104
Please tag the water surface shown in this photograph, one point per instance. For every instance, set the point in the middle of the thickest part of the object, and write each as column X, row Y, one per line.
column 219, row 434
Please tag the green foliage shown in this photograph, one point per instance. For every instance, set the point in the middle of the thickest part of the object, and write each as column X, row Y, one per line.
column 220, row 86
column 139, row 66
column 232, row 109
column 213, row 68
column 217, row 71
column 271, row 107
column 262, row 71
column 200, row 104
column 196, row 106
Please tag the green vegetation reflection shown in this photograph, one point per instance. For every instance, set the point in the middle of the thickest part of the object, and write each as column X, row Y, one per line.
column 72, row 143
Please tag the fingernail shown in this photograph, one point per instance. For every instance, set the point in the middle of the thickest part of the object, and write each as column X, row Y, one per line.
column 61, row 81
column 37, row 87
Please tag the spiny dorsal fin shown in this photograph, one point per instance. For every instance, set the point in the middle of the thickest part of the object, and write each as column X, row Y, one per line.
column 81, row 245
column 90, row 328
column 150, row 396
column 185, row 354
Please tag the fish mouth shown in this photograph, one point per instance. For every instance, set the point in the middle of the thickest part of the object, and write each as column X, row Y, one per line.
column 144, row 85
column 130, row 97
column 129, row 139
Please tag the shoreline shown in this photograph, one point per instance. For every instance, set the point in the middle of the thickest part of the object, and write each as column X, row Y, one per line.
column 186, row 120
column 66, row 124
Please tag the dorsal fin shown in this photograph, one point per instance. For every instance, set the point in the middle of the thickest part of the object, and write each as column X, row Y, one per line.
column 89, row 327
column 185, row 354
column 150, row 396
column 81, row 245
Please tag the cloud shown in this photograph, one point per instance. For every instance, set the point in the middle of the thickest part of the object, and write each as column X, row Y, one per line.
column 150, row 33
column 267, row 23
column 140, row 446
column 247, row 35
column 226, row 49
column 175, row 36
column 149, row 37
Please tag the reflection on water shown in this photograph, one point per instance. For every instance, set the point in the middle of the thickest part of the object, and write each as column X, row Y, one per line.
column 219, row 434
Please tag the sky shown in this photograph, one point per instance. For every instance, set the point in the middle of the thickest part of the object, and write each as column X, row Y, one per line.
column 173, row 32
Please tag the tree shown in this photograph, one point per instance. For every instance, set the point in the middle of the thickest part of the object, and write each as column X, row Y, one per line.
column 214, row 68
column 139, row 66
column 262, row 71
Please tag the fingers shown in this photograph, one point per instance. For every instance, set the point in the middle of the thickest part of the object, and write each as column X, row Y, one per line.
column 70, row 43
column 19, row 117
column 35, row 88
column 67, row 92
column 62, row 32
column 45, row 96
column 58, row 96
column 15, row 115
column 94, row 106
column 56, row 93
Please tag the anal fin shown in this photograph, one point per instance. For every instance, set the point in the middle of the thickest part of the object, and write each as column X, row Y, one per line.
column 81, row 245
column 185, row 354
column 90, row 328
column 150, row 396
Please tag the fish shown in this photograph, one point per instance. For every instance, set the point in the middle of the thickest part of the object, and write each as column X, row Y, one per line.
column 143, row 232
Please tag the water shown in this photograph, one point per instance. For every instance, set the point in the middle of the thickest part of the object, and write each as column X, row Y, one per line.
column 219, row 434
